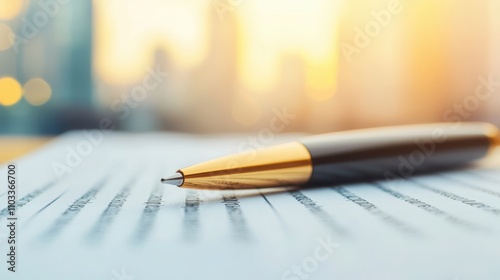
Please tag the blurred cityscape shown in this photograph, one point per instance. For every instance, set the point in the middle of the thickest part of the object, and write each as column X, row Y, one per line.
column 210, row 66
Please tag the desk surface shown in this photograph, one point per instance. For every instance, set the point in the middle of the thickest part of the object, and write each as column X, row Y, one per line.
column 12, row 147
column 113, row 217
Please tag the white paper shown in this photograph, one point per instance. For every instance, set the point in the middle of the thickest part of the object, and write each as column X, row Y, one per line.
column 109, row 217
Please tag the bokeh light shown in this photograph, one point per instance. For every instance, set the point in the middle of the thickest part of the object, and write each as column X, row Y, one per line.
column 10, row 91
column 37, row 92
column 10, row 8
column 6, row 37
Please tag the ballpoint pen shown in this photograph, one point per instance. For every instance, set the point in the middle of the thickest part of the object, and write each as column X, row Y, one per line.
column 349, row 156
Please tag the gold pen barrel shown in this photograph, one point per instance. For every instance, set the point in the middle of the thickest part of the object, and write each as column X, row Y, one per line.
column 280, row 165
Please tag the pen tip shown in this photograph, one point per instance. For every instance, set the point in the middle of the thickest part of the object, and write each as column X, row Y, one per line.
column 175, row 179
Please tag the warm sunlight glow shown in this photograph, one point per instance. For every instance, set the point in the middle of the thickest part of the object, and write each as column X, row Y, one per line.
column 322, row 77
column 272, row 29
column 128, row 33
column 10, row 9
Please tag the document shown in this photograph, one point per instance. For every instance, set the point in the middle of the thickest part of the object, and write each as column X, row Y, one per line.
column 90, row 205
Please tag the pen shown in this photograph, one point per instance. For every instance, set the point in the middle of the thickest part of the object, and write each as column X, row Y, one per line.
column 348, row 156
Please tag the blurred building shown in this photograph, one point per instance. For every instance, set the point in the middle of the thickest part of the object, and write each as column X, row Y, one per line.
column 50, row 60
column 231, row 66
